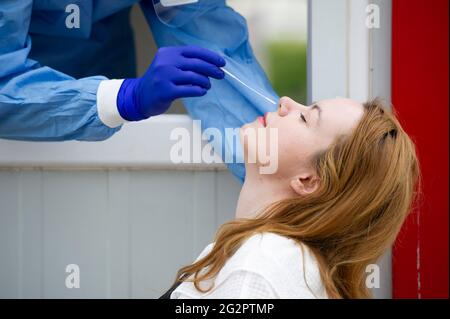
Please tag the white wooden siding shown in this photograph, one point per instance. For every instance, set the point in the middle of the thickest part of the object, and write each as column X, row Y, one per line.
column 129, row 231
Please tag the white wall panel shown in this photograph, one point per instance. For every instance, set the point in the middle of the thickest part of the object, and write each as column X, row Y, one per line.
column 10, row 239
column 128, row 230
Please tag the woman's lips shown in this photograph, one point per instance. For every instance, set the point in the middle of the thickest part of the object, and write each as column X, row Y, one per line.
column 262, row 120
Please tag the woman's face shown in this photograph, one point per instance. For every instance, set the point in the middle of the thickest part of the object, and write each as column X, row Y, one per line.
column 303, row 131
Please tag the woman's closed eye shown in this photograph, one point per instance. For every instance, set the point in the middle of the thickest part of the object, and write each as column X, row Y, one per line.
column 303, row 117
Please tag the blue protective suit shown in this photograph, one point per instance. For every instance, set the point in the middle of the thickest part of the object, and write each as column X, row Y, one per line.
column 49, row 74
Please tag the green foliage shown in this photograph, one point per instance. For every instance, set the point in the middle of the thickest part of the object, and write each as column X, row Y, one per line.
column 288, row 69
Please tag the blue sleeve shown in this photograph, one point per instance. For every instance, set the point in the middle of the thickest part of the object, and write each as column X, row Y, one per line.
column 38, row 103
column 228, row 105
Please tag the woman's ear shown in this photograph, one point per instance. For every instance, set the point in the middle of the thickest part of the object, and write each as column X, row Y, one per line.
column 305, row 185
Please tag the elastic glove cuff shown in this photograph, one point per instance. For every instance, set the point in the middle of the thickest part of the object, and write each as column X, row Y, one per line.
column 126, row 101
column 107, row 103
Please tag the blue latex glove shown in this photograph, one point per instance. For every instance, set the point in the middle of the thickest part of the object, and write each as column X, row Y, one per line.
column 176, row 72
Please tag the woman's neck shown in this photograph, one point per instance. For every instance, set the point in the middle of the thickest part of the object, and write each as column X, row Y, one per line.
column 257, row 193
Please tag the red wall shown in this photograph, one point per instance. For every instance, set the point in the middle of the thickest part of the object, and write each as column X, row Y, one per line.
column 420, row 96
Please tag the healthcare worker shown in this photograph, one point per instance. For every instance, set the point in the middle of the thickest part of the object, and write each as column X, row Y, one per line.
column 55, row 57
column 63, row 78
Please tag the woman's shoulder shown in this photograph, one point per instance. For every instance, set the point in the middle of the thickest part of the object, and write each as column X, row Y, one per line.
column 280, row 264
column 273, row 243
column 273, row 247
column 290, row 267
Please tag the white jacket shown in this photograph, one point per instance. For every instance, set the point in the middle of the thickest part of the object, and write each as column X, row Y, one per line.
column 266, row 266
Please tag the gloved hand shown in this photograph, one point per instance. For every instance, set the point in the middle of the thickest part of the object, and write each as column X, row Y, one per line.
column 175, row 72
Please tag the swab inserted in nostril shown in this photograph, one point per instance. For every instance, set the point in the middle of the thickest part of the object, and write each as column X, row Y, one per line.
column 248, row 87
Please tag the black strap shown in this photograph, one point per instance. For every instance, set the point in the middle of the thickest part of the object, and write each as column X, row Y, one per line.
column 169, row 292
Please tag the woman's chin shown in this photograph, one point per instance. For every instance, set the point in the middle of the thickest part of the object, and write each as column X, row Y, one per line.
column 254, row 124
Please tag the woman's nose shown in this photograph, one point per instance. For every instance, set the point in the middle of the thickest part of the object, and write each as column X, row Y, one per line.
column 287, row 105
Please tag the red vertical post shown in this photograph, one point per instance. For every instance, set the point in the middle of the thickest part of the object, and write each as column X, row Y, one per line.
column 420, row 95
